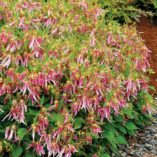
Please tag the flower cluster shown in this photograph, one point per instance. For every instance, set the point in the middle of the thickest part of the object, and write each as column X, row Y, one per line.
column 60, row 63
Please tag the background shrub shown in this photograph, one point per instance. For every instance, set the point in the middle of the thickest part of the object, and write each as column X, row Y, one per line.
column 123, row 11
column 69, row 83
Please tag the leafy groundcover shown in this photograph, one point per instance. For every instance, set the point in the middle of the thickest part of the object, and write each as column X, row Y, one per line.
column 70, row 85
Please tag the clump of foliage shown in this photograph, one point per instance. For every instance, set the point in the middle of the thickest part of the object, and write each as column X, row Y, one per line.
column 122, row 11
column 147, row 5
column 69, row 84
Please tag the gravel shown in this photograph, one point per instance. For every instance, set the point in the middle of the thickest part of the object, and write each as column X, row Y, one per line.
column 144, row 143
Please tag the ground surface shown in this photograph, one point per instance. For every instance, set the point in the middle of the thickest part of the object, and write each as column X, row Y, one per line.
column 144, row 144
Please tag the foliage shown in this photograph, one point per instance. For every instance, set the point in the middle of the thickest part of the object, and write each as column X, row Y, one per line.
column 121, row 10
column 69, row 83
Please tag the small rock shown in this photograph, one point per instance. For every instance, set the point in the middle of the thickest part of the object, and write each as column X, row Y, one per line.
column 155, row 136
column 123, row 154
column 148, row 146
column 132, row 152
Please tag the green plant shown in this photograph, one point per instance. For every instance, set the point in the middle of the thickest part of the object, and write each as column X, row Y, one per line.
column 121, row 10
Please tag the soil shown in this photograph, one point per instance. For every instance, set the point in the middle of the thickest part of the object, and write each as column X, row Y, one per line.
column 148, row 31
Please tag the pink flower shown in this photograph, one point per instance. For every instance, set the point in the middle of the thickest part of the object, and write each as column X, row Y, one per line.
column 96, row 129
column 3, row 38
column 10, row 133
column 49, row 21
column 18, row 60
column 104, row 112
column 35, row 43
column 142, row 64
column 75, row 108
column 57, row 133
column 22, row 24
column 69, row 88
column 13, row 46
column 93, row 39
column 26, row 59
column 84, row 5
column 85, row 102
column 37, row 147
column 68, row 150
column 115, row 107
column 38, row 53
column 131, row 88
column 43, row 122
column 17, row 111
column 53, row 54
column 53, row 149
column 6, row 61
column 147, row 108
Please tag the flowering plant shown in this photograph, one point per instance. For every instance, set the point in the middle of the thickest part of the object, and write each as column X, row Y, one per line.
column 64, row 76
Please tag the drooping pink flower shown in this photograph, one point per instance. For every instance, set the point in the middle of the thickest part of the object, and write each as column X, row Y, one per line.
column 115, row 107
column 85, row 102
column 69, row 88
column 38, row 53
column 95, row 128
column 142, row 64
column 131, row 88
column 56, row 134
column 10, row 133
column 6, row 61
column 22, row 24
column 75, row 107
column 18, row 60
column 53, row 149
column 68, row 150
column 104, row 112
column 13, row 46
column 38, row 148
column 53, row 54
column 26, row 58
column 148, row 109
column 4, row 38
column 93, row 39
column 83, row 4
column 43, row 122
column 35, row 42
column 5, row 89
column 17, row 111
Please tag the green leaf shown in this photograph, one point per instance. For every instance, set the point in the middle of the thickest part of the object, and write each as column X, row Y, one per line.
column 129, row 112
column 56, row 117
column 16, row 151
column 109, row 135
column 104, row 155
column 21, row 133
column 119, row 118
column 120, row 128
column 121, row 139
column 61, row 104
column 42, row 100
column 32, row 154
column 78, row 122
column 130, row 126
